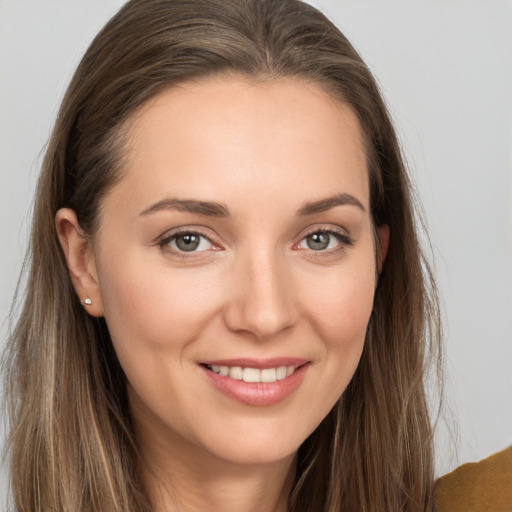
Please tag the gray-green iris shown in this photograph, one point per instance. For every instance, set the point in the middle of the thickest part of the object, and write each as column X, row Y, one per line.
column 318, row 241
column 188, row 242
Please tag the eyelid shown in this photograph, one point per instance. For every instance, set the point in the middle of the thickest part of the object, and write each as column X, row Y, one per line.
column 326, row 228
column 345, row 240
column 164, row 240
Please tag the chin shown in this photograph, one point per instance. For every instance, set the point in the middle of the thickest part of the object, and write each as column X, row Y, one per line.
column 256, row 443
column 257, row 454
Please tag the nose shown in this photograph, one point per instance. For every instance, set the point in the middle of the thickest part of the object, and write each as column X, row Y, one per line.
column 261, row 301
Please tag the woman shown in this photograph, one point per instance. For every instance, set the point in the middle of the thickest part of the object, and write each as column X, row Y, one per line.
column 227, row 305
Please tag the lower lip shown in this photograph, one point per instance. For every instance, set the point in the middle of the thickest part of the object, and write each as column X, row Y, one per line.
column 257, row 393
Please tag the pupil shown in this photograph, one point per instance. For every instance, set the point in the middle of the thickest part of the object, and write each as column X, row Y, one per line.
column 318, row 241
column 187, row 242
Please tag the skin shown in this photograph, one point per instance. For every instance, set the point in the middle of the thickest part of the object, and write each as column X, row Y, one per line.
column 254, row 288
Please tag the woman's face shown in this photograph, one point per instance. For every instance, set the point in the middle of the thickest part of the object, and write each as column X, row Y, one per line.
column 238, row 242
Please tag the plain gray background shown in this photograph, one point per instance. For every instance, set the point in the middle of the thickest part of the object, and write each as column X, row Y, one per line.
column 446, row 71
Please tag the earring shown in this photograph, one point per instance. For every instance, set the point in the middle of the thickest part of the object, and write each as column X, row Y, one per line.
column 87, row 302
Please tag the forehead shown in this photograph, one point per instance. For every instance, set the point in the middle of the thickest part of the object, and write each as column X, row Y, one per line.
column 227, row 135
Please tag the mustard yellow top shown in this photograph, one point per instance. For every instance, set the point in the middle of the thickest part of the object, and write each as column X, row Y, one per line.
column 484, row 486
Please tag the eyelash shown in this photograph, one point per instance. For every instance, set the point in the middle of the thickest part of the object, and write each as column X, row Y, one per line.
column 343, row 239
column 168, row 238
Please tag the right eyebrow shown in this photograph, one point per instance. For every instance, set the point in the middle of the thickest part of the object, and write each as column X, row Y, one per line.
column 208, row 208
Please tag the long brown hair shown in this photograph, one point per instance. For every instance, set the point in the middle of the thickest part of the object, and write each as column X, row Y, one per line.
column 71, row 441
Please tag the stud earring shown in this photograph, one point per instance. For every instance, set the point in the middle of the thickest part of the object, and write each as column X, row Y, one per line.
column 87, row 302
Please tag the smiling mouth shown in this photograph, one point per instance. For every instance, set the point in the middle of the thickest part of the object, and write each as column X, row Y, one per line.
column 257, row 382
column 252, row 375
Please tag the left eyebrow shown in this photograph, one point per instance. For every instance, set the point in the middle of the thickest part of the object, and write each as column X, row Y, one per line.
column 330, row 202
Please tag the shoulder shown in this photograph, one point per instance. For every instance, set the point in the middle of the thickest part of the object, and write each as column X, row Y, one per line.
column 478, row 486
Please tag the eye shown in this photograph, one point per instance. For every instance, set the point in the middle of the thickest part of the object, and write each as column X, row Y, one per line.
column 324, row 240
column 187, row 242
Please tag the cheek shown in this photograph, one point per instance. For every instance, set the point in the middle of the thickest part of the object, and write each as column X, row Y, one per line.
column 340, row 311
column 341, row 303
column 150, row 309
column 337, row 308
column 154, row 318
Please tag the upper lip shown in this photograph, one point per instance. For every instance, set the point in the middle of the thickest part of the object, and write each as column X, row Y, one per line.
column 244, row 362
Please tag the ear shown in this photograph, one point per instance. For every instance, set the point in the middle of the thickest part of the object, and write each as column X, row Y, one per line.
column 382, row 249
column 80, row 261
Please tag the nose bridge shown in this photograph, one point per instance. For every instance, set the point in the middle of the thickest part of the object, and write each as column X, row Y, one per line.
column 262, row 299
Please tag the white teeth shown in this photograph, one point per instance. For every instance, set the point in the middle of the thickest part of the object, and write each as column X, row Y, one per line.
column 236, row 372
column 253, row 374
column 281, row 373
column 268, row 375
